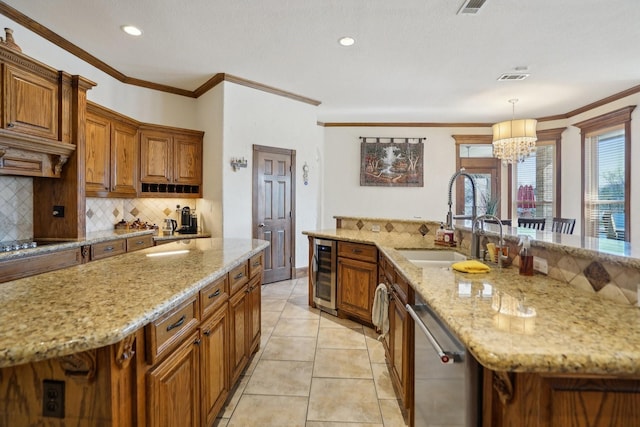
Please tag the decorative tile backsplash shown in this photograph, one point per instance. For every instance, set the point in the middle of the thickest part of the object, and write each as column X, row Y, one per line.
column 102, row 214
column 16, row 208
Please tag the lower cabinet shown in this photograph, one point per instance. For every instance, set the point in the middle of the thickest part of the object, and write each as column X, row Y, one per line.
column 356, row 285
column 173, row 397
column 238, row 329
column 255, row 300
column 214, row 364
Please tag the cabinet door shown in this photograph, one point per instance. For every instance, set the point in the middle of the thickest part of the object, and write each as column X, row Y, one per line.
column 255, row 293
column 356, row 285
column 173, row 398
column 156, row 157
column 97, row 162
column 238, row 333
column 401, row 348
column 188, row 160
column 215, row 364
column 124, row 159
column 31, row 103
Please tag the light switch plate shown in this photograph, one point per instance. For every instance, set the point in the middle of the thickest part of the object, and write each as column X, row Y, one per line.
column 540, row 264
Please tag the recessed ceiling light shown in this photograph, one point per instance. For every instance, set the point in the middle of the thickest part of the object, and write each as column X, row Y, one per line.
column 346, row 41
column 131, row 30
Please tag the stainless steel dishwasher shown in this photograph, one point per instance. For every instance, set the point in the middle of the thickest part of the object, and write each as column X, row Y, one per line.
column 447, row 386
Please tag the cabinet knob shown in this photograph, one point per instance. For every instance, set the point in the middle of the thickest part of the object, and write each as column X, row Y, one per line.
column 10, row 125
column 207, row 332
column 197, row 341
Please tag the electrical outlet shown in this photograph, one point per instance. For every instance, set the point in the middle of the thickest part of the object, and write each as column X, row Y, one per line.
column 53, row 399
column 540, row 264
column 58, row 211
column 375, row 228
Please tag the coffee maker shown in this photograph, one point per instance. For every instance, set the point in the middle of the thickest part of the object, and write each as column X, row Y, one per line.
column 188, row 221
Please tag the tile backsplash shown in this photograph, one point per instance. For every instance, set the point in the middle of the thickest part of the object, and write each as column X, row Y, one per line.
column 102, row 214
column 16, row 208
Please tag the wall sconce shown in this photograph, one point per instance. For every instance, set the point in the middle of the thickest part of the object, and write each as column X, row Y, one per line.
column 305, row 173
column 238, row 163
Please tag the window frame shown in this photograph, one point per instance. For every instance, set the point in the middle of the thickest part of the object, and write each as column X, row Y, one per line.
column 545, row 137
column 617, row 118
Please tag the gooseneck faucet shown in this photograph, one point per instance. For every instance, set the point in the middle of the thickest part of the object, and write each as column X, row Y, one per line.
column 475, row 250
column 475, row 243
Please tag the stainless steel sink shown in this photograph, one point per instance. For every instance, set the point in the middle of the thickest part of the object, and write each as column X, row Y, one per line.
column 431, row 257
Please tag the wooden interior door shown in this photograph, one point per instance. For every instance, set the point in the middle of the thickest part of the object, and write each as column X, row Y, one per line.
column 273, row 209
column 487, row 175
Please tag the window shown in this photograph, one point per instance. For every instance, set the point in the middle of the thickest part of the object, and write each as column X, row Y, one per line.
column 605, row 175
column 535, row 189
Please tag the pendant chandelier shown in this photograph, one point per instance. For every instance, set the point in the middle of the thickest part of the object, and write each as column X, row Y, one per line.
column 514, row 140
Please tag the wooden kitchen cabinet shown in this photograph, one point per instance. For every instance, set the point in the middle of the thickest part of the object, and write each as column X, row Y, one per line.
column 111, row 154
column 255, row 294
column 357, row 279
column 36, row 264
column 170, row 162
column 238, row 332
column 173, row 389
column 214, row 363
column 31, row 103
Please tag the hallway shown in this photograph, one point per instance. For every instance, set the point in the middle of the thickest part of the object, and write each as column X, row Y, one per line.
column 312, row 370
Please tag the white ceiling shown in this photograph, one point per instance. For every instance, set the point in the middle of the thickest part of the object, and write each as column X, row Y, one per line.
column 414, row 60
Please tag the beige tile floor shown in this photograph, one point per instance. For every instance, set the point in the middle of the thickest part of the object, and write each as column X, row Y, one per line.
column 312, row 370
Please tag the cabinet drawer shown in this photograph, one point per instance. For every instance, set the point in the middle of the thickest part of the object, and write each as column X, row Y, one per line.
column 140, row 242
column 359, row 251
column 238, row 277
column 29, row 266
column 165, row 333
column 255, row 264
column 213, row 295
column 401, row 286
column 107, row 249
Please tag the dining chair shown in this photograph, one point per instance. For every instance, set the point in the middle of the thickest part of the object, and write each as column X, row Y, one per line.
column 563, row 225
column 505, row 222
column 537, row 223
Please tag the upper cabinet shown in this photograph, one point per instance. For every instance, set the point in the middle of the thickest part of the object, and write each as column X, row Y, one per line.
column 36, row 119
column 170, row 162
column 111, row 154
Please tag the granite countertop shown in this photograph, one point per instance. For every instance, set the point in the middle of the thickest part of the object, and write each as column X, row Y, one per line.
column 46, row 246
column 572, row 331
column 101, row 302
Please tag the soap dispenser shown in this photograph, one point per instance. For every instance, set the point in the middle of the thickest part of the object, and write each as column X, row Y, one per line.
column 526, row 257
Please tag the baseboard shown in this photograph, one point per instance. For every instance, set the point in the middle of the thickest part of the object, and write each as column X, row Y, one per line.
column 300, row 272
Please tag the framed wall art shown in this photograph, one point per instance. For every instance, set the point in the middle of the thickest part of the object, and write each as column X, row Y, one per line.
column 391, row 162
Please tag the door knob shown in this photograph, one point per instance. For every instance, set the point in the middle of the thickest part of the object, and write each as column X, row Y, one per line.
column 261, row 225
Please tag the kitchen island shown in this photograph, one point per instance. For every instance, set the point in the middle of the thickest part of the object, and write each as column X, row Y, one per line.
column 119, row 334
column 575, row 361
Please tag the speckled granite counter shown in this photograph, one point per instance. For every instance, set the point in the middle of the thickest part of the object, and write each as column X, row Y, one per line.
column 101, row 302
column 573, row 331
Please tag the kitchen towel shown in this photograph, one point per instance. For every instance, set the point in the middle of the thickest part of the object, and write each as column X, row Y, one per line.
column 380, row 312
column 471, row 266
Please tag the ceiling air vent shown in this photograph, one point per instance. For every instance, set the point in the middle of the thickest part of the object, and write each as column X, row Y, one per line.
column 511, row 77
column 471, row 7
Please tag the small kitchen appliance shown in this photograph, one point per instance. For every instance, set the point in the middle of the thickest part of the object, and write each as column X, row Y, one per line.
column 188, row 221
column 170, row 225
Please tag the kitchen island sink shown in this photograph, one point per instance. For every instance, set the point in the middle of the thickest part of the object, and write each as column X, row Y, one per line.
column 431, row 257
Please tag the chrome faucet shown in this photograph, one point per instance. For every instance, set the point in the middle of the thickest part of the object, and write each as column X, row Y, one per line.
column 474, row 211
column 475, row 241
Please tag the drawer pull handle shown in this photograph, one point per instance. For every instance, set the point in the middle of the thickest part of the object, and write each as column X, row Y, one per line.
column 197, row 341
column 139, row 242
column 357, row 251
column 108, row 249
column 178, row 323
column 207, row 332
column 238, row 276
column 255, row 264
column 215, row 294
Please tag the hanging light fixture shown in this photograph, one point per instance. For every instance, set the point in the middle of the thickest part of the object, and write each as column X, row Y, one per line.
column 514, row 140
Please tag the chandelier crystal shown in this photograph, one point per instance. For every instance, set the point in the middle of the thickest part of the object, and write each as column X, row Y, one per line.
column 514, row 140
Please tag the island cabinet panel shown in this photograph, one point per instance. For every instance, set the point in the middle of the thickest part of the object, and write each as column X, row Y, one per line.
column 173, row 392
column 214, row 364
column 255, row 297
column 29, row 266
column 239, row 312
column 98, row 387
column 31, row 103
column 357, row 281
column 544, row 400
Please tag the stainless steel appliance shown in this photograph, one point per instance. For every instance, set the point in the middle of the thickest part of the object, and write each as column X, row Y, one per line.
column 170, row 225
column 447, row 386
column 188, row 221
column 323, row 274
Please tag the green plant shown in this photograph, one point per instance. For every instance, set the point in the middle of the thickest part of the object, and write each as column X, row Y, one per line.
column 490, row 204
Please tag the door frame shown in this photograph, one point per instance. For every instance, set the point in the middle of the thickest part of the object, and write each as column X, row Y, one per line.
column 254, row 197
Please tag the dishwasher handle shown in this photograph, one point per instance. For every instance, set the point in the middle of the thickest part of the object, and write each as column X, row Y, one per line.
column 445, row 356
